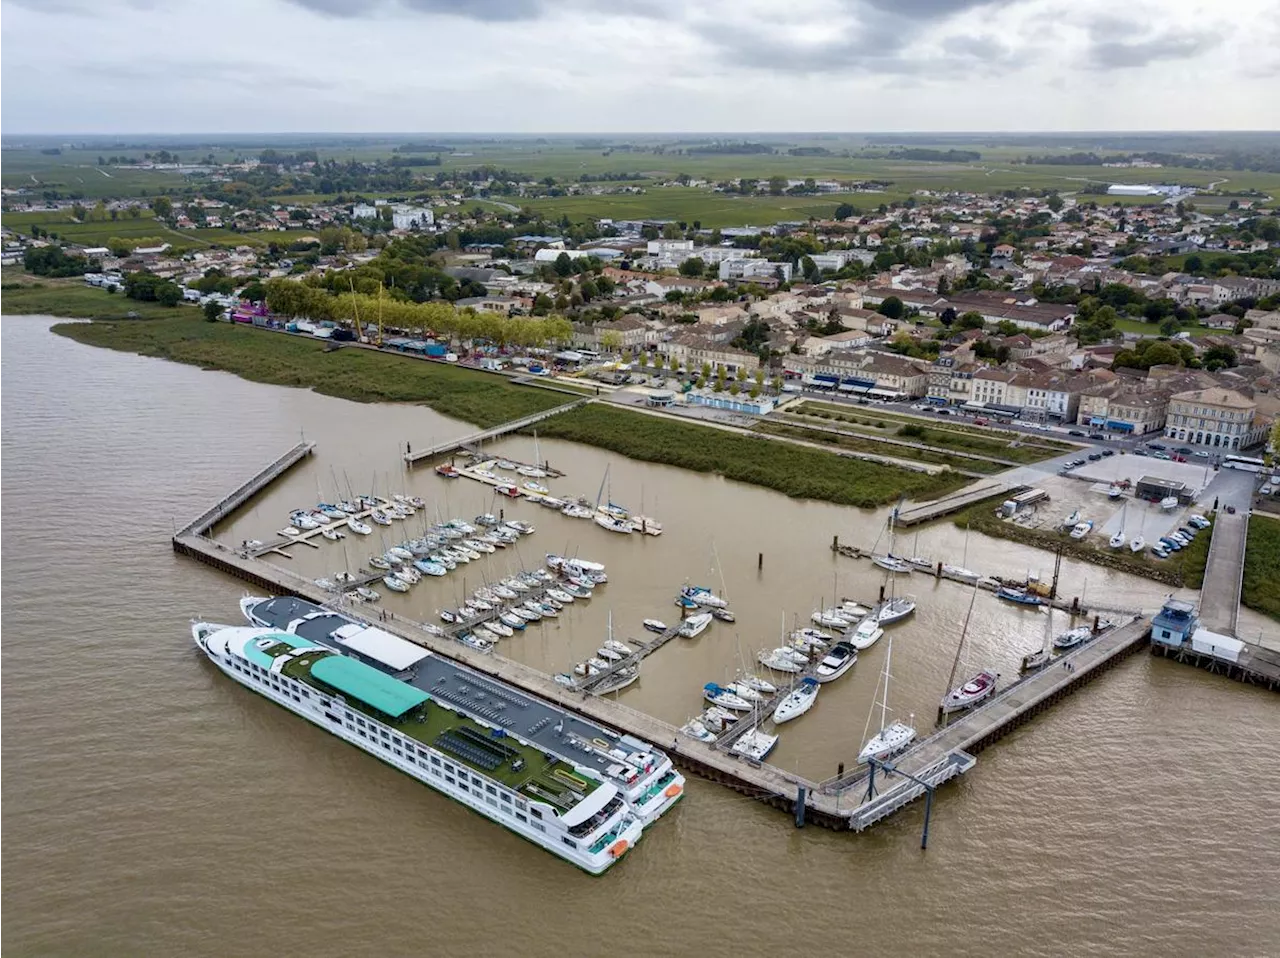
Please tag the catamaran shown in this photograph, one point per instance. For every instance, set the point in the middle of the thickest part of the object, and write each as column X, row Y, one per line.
column 893, row 737
column 754, row 744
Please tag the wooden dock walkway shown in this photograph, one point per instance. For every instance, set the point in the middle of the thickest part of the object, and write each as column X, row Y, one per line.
column 643, row 649
column 840, row 804
column 918, row 512
column 412, row 458
column 229, row 503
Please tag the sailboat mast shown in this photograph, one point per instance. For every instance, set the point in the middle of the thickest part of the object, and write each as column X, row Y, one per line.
column 884, row 699
column 964, row 631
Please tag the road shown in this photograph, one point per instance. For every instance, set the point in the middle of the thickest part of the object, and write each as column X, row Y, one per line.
column 1220, row 594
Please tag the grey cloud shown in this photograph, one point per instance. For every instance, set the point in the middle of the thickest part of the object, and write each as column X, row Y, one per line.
column 481, row 10
column 984, row 48
column 926, row 9
column 1121, row 54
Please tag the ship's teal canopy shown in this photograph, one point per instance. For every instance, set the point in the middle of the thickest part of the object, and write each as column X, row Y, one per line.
column 367, row 684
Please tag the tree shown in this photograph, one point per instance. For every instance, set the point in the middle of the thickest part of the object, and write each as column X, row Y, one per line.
column 670, row 231
column 759, row 376
column 1055, row 203
column 162, row 206
column 78, row 212
column 754, row 392
column 563, row 265
column 948, row 317
column 944, row 287
column 891, row 307
column 643, row 360
column 810, row 269
column 659, row 361
column 1168, row 327
column 844, row 211
column 777, row 184
column 610, row 340
column 212, row 311
column 1161, row 354
column 693, row 266
column 777, row 384
column 741, row 374
column 1193, row 264
column 1218, row 357
column 971, row 320
column 734, row 389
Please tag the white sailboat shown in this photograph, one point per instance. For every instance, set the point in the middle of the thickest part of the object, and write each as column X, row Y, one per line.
column 980, row 686
column 888, row 560
column 893, row 737
column 1041, row 656
column 798, row 701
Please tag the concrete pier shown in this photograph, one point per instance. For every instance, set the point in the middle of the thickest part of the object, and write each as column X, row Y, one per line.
column 1224, row 572
column 413, row 457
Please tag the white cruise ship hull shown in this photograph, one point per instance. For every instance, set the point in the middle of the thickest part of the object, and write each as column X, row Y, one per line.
column 338, row 720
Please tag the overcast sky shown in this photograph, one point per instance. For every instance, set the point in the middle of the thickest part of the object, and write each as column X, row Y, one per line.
column 173, row 66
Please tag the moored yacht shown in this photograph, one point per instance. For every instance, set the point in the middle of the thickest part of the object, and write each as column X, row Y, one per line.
column 798, row 701
column 839, row 660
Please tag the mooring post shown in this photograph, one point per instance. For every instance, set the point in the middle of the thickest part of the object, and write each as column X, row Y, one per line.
column 928, row 809
column 759, row 561
column 937, row 573
column 1075, row 604
column 835, row 543
column 502, row 515
column 882, row 593
column 408, row 450
column 800, row 795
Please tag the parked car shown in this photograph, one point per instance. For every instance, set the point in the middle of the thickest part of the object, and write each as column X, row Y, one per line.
column 1156, row 446
column 1160, row 552
column 1108, row 452
column 1199, row 521
column 1184, row 450
column 1265, row 490
column 1231, row 510
column 1161, row 455
column 1095, row 456
column 1179, row 538
column 1096, row 435
column 1140, row 452
column 1188, row 531
column 1170, row 543
column 1074, row 432
column 1201, row 454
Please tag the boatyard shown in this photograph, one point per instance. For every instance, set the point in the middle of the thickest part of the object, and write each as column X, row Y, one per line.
column 730, row 740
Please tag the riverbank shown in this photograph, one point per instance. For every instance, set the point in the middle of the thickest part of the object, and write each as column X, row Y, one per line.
column 871, row 444
column 366, row 375
column 361, row 375
column 1181, row 569
column 74, row 300
column 794, row 470
column 1262, row 566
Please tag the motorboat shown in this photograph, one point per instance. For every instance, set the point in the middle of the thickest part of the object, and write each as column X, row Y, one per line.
column 1019, row 596
column 700, row 595
column 695, row 625
column 448, row 470
column 522, row 527
column 431, row 629
column 723, row 615
column 506, row 464
column 970, row 693
column 488, row 474
column 839, row 660
column 395, row 584
column 1117, row 540
column 333, row 535
column 1073, row 637
column 781, row 659
column 609, row 655
column 575, row 511
column 809, row 639
column 724, row 698
column 583, row 668
column 755, row 682
column 380, row 517
column 695, row 729
column 1169, row 502
column 831, row 619
column 867, row 633
column 754, row 745
column 344, row 577
column 537, row 487
column 1137, row 544
column 798, row 701
column 1082, row 529
column 895, row 610
column 303, row 521
column 647, row 525
column 655, row 625
column 685, row 602
column 852, row 610
column 476, row 642
column 290, row 531
column 358, row 527
column 327, row 584
column 367, row 594
column 891, row 563
column 717, row 717
column 447, row 616
column 508, row 490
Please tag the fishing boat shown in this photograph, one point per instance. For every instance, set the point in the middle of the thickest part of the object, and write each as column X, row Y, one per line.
column 655, row 625
column 1041, row 656
column 695, row 625
column 395, row 583
column 980, row 686
column 723, row 615
column 893, row 737
column 1017, row 595
column 1137, row 544
column 358, row 527
column 1082, row 529
column 839, row 660
column 367, row 594
column 1073, row 637
column 867, row 633
column 782, row 659
column 716, row 695
column 754, row 745
column 798, row 701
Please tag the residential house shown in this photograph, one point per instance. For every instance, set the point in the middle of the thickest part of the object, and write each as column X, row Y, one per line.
column 1217, row 417
column 1122, row 406
column 750, row 270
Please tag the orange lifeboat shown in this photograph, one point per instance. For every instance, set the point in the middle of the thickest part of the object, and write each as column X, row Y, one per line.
column 673, row 790
column 618, row 847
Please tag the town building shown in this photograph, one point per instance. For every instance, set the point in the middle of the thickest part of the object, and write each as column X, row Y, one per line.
column 1217, row 417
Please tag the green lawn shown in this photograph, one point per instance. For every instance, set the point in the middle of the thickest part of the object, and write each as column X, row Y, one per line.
column 871, row 444
column 793, row 470
column 1153, row 329
column 1262, row 566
